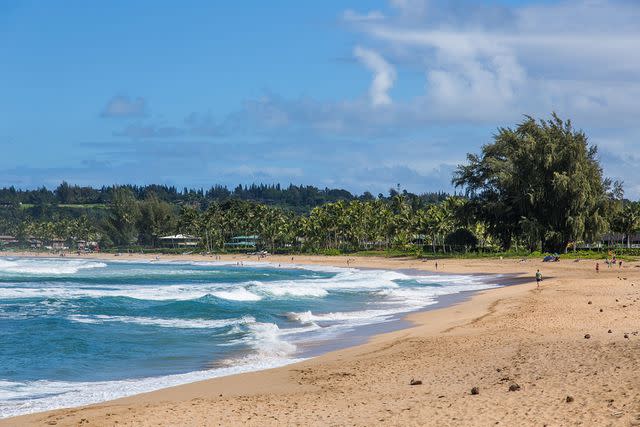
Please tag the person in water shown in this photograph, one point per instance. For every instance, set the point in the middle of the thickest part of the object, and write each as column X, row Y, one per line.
column 538, row 277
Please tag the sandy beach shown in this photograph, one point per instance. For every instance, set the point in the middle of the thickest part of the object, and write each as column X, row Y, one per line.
column 564, row 354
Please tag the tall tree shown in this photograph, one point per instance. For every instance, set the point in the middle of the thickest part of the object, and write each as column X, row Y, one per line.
column 124, row 216
column 542, row 177
column 627, row 221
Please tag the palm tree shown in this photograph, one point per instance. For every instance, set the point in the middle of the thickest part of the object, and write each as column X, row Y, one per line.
column 627, row 221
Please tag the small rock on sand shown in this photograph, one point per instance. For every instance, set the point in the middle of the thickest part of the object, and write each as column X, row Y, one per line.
column 626, row 336
column 475, row 390
column 587, row 336
column 514, row 387
column 569, row 399
column 609, row 331
column 415, row 382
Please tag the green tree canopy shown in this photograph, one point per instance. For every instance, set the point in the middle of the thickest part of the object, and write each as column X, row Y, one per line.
column 540, row 182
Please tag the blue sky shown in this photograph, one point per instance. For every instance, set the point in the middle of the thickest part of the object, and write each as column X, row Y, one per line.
column 353, row 94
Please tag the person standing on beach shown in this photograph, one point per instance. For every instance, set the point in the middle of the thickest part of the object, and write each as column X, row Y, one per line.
column 597, row 267
column 538, row 277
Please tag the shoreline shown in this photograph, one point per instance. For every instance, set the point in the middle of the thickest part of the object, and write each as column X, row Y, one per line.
column 358, row 335
column 316, row 386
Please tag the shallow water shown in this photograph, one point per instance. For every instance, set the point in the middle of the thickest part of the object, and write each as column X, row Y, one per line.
column 75, row 332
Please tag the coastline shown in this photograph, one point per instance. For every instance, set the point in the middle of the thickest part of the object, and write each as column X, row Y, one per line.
column 368, row 383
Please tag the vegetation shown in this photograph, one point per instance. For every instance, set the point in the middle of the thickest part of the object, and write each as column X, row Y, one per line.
column 537, row 187
column 540, row 183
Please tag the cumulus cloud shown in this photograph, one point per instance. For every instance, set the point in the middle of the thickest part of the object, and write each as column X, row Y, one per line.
column 124, row 106
column 478, row 65
column 570, row 56
column 384, row 74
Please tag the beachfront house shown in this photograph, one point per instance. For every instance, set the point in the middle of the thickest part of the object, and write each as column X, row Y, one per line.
column 621, row 240
column 8, row 241
column 243, row 242
column 179, row 241
column 88, row 246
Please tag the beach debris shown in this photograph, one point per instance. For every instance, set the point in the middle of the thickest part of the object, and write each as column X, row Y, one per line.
column 587, row 336
column 475, row 390
column 589, row 303
column 626, row 336
column 609, row 331
column 569, row 399
column 514, row 387
column 415, row 382
column 601, row 310
column 498, row 370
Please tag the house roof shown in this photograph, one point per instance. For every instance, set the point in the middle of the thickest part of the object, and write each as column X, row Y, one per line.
column 179, row 237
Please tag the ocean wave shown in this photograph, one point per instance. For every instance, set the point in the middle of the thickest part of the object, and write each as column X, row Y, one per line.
column 266, row 340
column 290, row 288
column 237, row 294
column 18, row 398
column 368, row 315
column 47, row 266
column 165, row 323
column 256, row 333
column 72, row 290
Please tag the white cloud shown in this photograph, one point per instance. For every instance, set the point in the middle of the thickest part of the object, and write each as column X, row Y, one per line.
column 489, row 63
column 480, row 67
column 384, row 74
column 414, row 9
column 123, row 106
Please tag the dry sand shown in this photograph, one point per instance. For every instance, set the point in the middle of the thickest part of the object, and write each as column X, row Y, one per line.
column 535, row 338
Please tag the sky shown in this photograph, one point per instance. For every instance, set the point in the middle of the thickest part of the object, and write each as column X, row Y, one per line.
column 361, row 95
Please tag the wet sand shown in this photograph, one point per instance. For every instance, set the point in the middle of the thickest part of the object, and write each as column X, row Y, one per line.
column 497, row 339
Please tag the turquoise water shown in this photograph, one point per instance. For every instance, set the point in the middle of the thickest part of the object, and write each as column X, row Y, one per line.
column 74, row 332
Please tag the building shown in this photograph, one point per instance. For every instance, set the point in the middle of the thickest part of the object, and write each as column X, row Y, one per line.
column 243, row 242
column 620, row 240
column 88, row 246
column 179, row 241
column 58, row 245
column 8, row 240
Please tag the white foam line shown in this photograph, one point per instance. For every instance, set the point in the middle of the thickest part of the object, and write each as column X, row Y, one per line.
column 165, row 323
column 61, row 394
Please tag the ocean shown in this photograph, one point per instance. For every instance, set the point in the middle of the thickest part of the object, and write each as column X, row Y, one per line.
column 80, row 331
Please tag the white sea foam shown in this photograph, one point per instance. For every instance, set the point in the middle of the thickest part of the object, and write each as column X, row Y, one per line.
column 165, row 323
column 46, row 266
column 266, row 340
column 17, row 398
column 291, row 288
column 72, row 290
column 309, row 317
column 237, row 294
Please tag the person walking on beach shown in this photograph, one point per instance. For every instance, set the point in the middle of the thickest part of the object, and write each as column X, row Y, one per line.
column 597, row 267
column 538, row 278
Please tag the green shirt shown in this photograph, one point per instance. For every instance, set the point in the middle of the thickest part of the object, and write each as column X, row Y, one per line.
column 538, row 276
